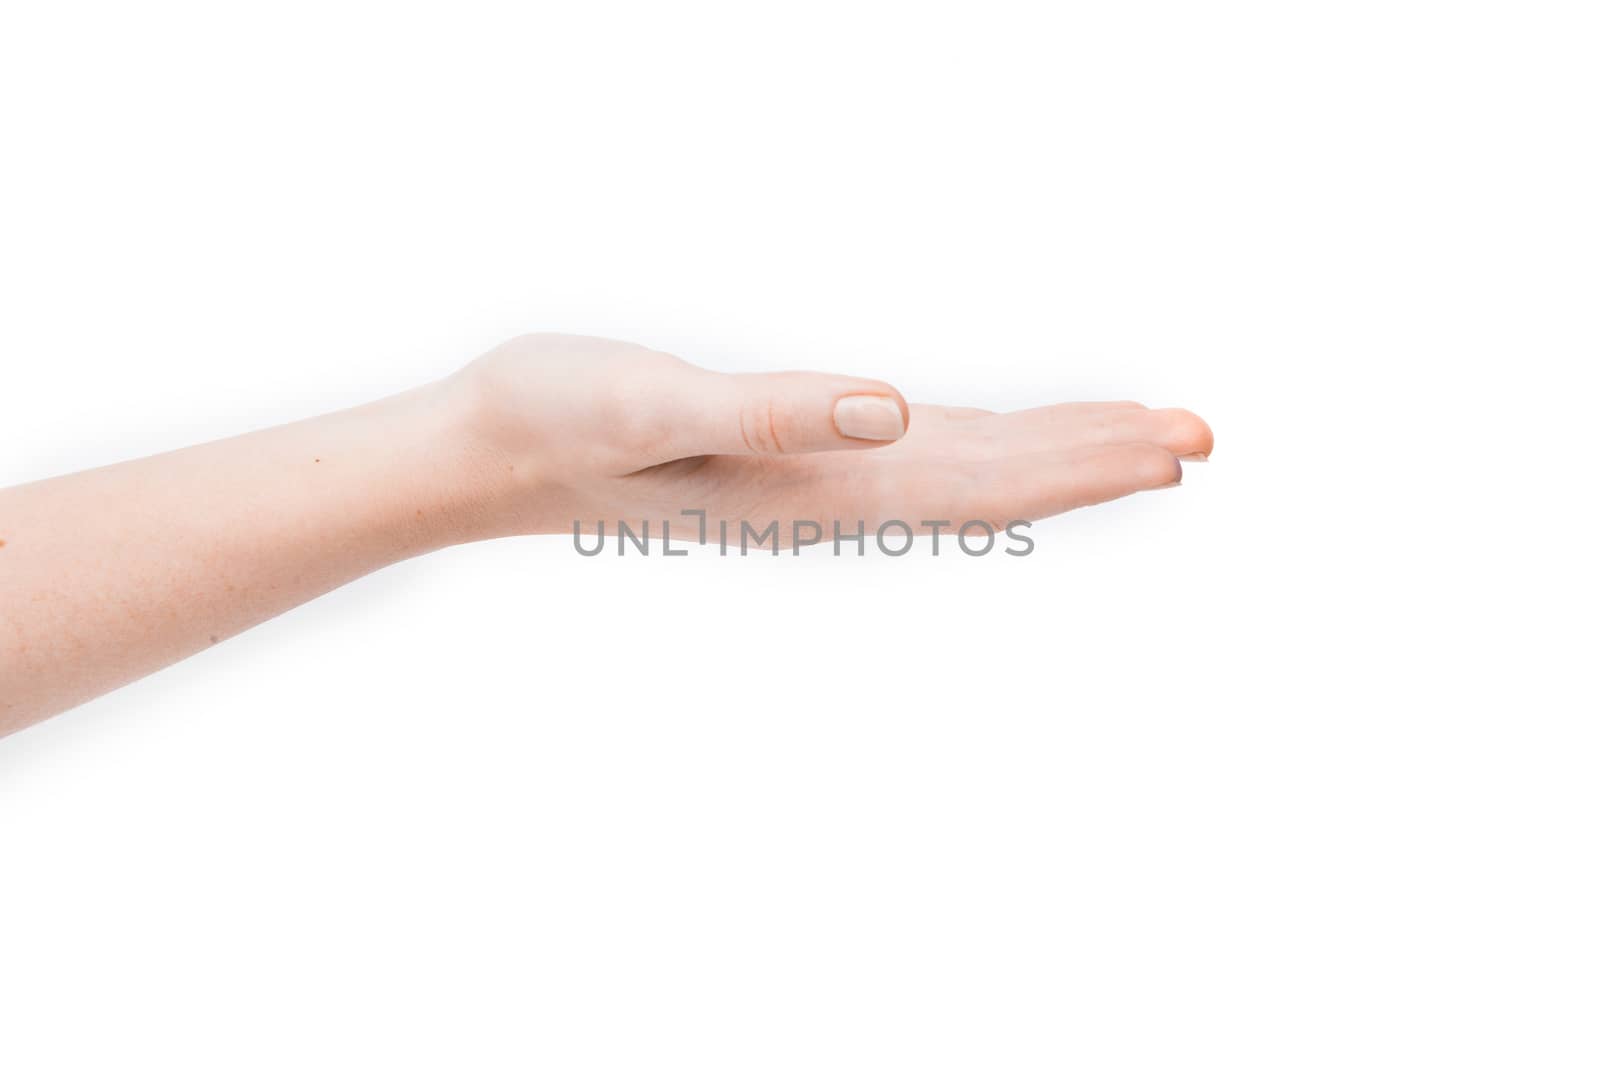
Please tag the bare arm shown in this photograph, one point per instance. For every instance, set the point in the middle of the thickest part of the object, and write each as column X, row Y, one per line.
column 110, row 574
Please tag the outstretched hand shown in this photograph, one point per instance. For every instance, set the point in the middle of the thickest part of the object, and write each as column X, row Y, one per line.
column 596, row 430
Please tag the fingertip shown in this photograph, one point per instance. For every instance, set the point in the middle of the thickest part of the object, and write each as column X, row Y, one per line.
column 1144, row 466
column 1159, row 469
column 1185, row 433
column 1208, row 439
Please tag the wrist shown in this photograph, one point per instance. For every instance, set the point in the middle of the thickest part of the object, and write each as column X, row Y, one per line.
column 487, row 481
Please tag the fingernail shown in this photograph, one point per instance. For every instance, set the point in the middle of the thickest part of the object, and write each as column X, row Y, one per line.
column 869, row 418
column 1196, row 457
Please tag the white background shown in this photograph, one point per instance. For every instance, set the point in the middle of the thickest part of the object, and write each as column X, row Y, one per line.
column 1295, row 764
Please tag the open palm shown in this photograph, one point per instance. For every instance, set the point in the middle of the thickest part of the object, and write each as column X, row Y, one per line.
column 612, row 431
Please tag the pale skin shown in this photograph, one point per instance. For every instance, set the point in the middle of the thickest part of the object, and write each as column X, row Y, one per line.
column 109, row 574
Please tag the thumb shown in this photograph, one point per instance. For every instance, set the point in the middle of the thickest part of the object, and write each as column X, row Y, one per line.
column 795, row 411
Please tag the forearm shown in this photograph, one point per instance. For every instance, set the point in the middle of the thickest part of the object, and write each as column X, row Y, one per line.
column 109, row 574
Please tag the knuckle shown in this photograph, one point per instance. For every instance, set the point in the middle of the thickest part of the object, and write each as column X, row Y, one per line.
column 1158, row 467
column 759, row 426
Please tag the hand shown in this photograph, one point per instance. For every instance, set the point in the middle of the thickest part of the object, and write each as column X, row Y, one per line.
column 593, row 430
